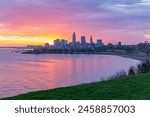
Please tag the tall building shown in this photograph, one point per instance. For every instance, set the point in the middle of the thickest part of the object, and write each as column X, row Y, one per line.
column 91, row 40
column 83, row 41
column 74, row 38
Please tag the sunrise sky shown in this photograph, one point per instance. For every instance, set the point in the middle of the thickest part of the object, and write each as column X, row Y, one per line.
column 24, row 22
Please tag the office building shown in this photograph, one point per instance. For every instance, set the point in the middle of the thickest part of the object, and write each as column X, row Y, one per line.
column 83, row 41
column 99, row 42
column 74, row 38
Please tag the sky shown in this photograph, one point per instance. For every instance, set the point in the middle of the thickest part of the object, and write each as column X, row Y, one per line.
column 35, row 22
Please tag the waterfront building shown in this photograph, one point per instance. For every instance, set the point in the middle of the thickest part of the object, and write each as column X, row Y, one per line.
column 119, row 44
column 110, row 44
column 47, row 46
column 64, row 42
column 57, row 43
column 83, row 41
column 60, row 44
column 91, row 40
column 99, row 43
column 74, row 38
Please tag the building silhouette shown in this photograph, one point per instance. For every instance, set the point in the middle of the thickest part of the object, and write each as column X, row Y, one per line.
column 47, row 46
column 99, row 42
column 119, row 44
column 91, row 40
column 63, row 44
column 59, row 44
column 83, row 41
column 74, row 38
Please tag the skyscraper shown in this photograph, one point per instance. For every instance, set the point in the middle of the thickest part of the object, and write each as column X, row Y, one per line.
column 83, row 41
column 91, row 40
column 74, row 38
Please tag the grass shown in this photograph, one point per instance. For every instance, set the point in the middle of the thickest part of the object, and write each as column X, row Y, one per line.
column 127, row 88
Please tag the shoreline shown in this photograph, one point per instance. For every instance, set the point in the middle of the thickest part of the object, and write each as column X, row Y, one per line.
column 140, row 56
column 135, row 56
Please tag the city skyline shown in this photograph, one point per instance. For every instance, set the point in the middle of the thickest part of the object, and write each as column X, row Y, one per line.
column 37, row 22
column 63, row 43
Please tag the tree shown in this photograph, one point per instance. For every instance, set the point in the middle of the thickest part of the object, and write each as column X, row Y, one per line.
column 131, row 71
column 139, row 68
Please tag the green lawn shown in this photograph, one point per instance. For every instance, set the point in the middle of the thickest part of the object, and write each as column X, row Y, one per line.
column 137, row 87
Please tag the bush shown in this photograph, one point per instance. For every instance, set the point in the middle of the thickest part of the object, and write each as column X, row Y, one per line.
column 144, row 67
column 139, row 69
column 120, row 74
column 131, row 71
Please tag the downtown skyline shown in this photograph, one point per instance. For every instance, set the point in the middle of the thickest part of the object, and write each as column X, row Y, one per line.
column 74, row 44
column 36, row 22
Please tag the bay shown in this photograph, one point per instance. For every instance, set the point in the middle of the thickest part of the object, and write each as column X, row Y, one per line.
column 22, row 73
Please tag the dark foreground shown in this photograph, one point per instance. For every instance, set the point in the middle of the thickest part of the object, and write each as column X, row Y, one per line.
column 128, row 88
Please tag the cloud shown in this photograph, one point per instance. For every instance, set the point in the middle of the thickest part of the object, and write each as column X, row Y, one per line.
column 3, row 25
column 134, row 8
column 147, row 36
column 48, row 16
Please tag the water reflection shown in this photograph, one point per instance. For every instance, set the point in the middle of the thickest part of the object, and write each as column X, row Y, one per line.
column 21, row 73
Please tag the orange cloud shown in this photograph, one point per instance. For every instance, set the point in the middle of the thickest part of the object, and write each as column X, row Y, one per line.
column 147, row 36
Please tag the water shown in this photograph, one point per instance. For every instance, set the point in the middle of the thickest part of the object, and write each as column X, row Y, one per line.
column 21, row 73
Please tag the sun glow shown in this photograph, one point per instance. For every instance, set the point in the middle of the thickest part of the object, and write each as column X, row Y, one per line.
column 23, row 41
